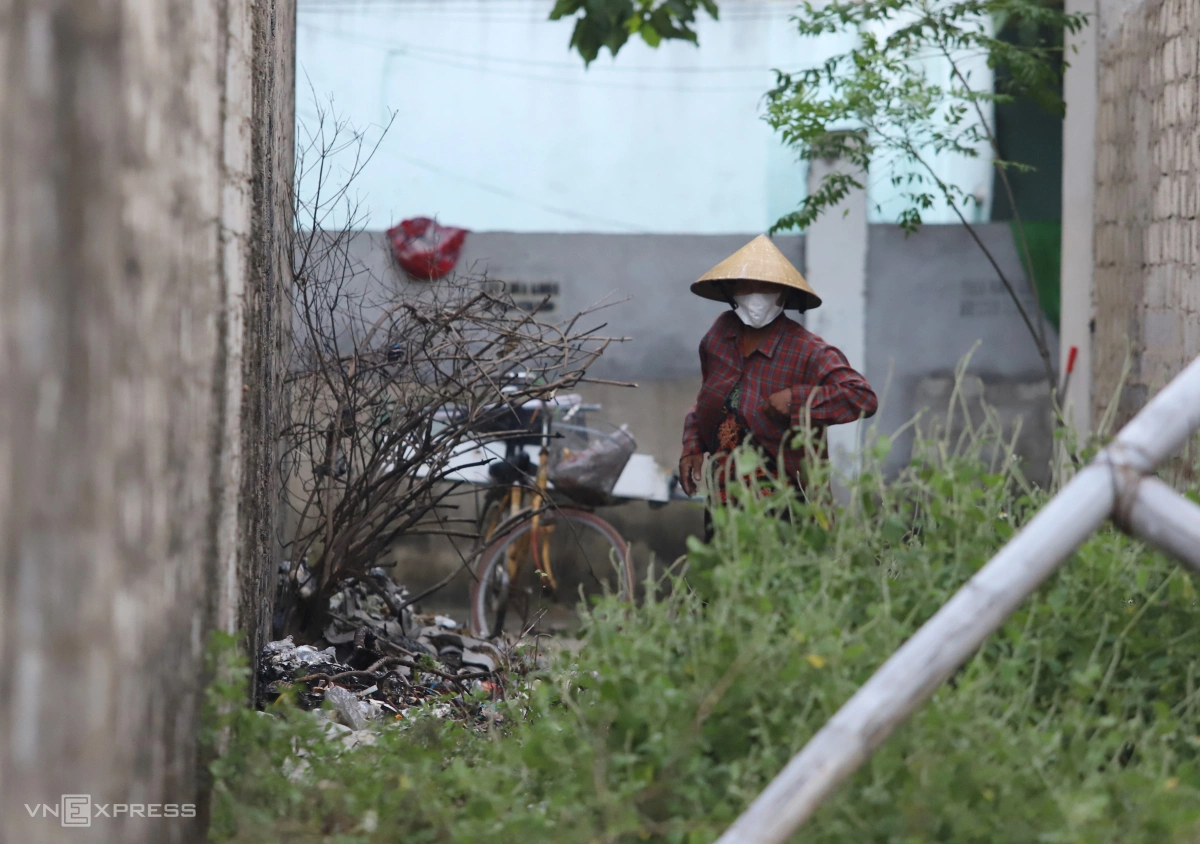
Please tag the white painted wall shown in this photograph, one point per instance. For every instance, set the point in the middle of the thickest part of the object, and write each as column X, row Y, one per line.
column 499, row 127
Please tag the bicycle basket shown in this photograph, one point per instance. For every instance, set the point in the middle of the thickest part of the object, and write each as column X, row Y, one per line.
column 587, row 460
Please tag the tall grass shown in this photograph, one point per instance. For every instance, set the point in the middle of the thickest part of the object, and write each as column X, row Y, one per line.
column 1079, row 721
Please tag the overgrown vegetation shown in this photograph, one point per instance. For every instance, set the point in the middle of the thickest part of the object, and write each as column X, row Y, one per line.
column 1079, row 721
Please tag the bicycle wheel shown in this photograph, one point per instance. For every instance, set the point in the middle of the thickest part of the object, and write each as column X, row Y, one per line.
column 496, row 517
column 493, row 512
column 584, row 550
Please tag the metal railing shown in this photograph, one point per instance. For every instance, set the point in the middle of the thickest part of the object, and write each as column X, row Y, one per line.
column 1118, row 484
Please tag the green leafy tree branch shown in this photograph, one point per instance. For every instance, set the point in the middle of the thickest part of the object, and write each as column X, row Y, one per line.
column 611, row 23
column 879, row 106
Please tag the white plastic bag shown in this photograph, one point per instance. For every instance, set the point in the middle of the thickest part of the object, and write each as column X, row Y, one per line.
column 588, row 476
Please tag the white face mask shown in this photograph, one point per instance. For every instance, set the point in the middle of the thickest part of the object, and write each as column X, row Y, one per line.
column 758, row 309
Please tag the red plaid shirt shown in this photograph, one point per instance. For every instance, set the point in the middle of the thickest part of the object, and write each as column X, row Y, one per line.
column 820, row 377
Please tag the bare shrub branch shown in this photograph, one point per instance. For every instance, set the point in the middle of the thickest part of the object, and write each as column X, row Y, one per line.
column 388, row 381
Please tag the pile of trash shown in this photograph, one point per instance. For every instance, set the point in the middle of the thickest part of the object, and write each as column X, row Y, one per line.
column 379, row 604
column 373, row 668
column 376, row 602
column 377, row 659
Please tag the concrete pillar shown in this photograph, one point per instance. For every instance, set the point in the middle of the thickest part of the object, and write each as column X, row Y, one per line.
column 265, row 314
column 1078, row 217
column 835, row 250
column 144, row 166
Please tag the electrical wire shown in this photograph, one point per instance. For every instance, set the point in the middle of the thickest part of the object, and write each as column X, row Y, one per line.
column 580, row 83
column 494, row 189
column 581, row 216
column 475, row 62
column 726, row 8
column 534, row 63
column 481, row 67
column 736, row 9
column 469, row 11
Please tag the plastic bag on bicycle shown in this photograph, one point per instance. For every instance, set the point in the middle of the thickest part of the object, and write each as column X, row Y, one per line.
column 588, row 476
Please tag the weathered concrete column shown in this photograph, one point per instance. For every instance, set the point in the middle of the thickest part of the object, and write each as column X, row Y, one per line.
column 1147, row 229
column 836, row 267
column 265, row 313
column 145, row 155
column 1078, row 217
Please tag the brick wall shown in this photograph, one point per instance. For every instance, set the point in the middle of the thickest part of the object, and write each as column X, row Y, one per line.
column 1147, row 233
column 145, row 153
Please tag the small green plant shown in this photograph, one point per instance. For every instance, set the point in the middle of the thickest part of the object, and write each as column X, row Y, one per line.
column 1078, row 721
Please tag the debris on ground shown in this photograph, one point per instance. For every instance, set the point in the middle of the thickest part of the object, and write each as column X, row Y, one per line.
column 377, row 603
column 378, row 658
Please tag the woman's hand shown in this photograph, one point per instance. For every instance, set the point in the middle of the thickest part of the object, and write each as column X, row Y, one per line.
column 690, row 466
column 779, row 405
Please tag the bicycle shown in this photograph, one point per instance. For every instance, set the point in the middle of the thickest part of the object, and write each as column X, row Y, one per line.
column 525, row 524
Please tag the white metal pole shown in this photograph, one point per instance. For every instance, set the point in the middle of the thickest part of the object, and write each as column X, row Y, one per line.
column 1165, row 519
column 957, row 630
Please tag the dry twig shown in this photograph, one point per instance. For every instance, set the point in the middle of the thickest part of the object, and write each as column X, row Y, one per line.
column 387, row 381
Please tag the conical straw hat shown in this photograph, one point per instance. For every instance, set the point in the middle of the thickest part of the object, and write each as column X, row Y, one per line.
column 758, row 260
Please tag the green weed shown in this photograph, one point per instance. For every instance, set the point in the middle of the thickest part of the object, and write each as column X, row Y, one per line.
column 1078, row 721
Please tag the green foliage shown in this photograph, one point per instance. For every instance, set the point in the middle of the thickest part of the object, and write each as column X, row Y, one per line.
column 880, row 105
column 610, row 23
column 1078, row 721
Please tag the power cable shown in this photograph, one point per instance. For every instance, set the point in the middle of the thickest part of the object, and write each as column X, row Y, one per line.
column 507, row 194
column 480, row 67
column 570, row 66
column 469, row 11
column 735, row 8
column 499, row 191
column 580, row 83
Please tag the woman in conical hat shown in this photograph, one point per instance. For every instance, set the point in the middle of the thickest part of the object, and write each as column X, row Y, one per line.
column 763, row 373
